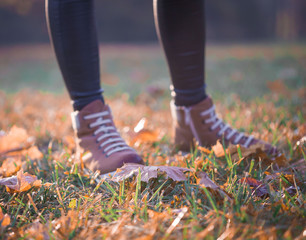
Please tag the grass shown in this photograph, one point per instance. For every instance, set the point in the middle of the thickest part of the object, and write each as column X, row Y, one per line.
column 243, row 70
column 80, row 204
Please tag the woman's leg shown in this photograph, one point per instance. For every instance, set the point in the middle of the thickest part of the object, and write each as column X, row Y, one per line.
column 72, row 30
column 180, row 26
column 73, row 33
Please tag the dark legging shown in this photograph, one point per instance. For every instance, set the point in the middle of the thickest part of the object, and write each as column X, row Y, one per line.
column 180, row 26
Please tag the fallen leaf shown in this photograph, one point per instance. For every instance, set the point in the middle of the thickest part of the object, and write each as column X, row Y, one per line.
column 10, row 166
column 147, row 172
column 34, row 153
column 21, row 182
column 5, row 219
column 142, row 134
column 206, row 182
column 16, row 139
column 257, row 187
column 204, row 150
column 72, row 203
column 218, row 149
column 233, row 150
column 281, row 161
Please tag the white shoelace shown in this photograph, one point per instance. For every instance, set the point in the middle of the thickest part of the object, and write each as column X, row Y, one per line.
column 217, row 123
column 116, row 143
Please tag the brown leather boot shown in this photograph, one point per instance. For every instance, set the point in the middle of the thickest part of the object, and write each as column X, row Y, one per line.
column 98, row 143
column 201, row 123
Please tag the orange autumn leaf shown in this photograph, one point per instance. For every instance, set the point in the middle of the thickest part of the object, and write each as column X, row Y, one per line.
column 233, row 150
column 218, row 149
column 30, row 152
column 5, row 219
column 22, row 182
column 16, row 138
column 142, row 134
column 10, row 166
column 145, row 135
column 204, row 150
column 34, row 153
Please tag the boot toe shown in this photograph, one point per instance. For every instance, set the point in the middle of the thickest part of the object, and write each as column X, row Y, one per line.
column 132, row 158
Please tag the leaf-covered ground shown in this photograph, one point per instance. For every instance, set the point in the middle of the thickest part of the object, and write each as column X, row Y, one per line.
column 219, row 193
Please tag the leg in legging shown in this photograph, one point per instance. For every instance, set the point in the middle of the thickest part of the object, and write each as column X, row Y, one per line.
column 180, row 26
column 72, row 30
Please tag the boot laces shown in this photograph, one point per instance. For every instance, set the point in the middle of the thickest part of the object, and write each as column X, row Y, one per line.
column 110, row 135
column 225, row 128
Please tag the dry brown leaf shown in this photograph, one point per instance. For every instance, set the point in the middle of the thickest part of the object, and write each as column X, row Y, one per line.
column 206, row 182
column 10, row 166
column 233, row 150
column 245, row 152
column 148, row 172
column 21, row 182
column 17, row 138
column 257, row 187
column 281, row 161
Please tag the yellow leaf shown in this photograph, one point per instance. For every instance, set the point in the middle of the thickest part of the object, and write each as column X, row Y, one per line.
column 72, row 204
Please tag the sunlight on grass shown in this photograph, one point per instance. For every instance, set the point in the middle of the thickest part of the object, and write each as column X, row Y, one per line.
column 233, row 194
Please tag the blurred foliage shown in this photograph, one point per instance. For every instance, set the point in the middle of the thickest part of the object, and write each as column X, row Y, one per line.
column 20, row 6
column 132, row 21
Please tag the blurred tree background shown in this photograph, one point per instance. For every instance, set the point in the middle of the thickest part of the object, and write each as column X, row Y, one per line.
column 131, row 21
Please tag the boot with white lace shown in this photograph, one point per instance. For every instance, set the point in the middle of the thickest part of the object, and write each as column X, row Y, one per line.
column 98, row 143
column 201, row 123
